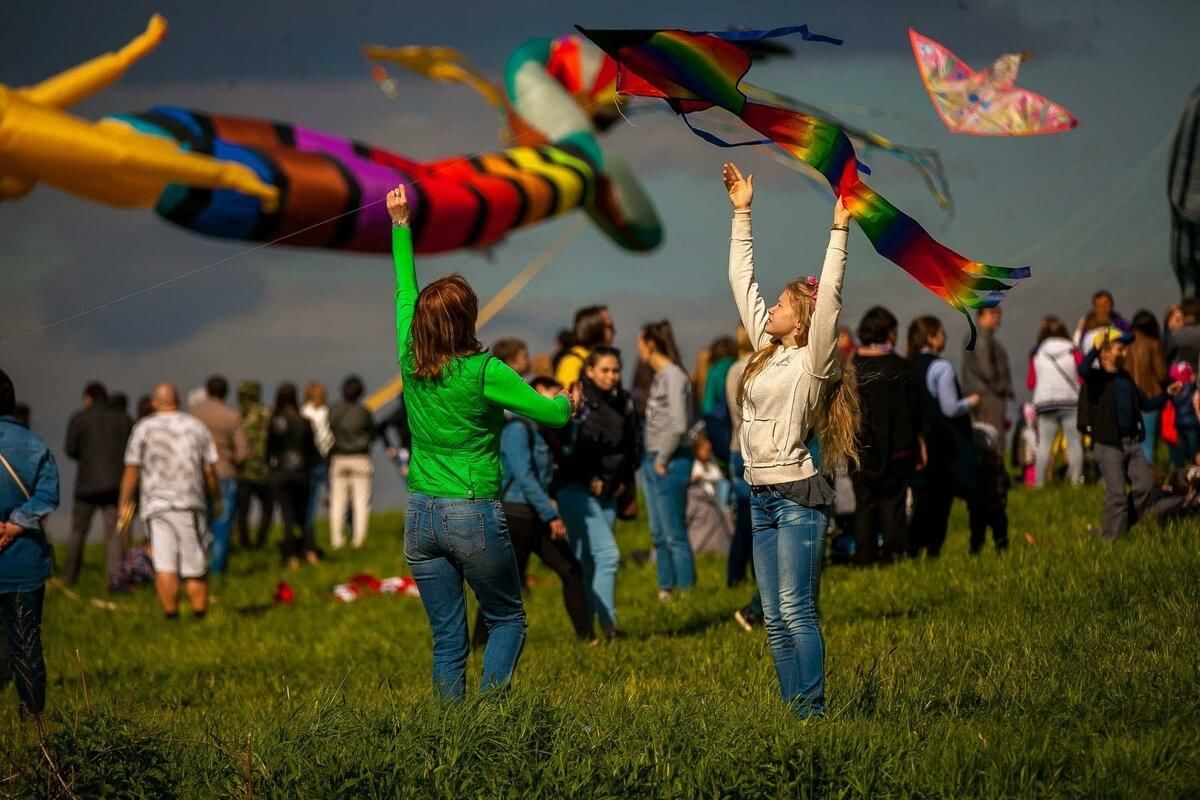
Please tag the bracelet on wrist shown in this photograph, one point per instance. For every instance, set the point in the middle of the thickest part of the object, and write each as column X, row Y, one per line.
column 398, row 224
column 840, row 228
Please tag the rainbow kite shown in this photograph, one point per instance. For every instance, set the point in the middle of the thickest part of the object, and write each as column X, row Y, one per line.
column 695, row 71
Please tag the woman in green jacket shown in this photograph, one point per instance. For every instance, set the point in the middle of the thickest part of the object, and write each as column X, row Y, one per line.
column 456, row 394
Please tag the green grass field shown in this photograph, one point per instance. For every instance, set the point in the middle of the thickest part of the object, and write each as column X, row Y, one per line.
column 1065, row 668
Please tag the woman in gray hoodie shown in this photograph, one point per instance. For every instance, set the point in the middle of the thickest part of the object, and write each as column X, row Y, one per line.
column 799, row 418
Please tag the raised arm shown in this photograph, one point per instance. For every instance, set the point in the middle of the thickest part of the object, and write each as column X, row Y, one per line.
column 504, row 387
column 1085, row 366
column 749, row 302
column 406, row 269
column 823, row 329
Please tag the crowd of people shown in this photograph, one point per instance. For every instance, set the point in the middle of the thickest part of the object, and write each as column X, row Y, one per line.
column 789, row 431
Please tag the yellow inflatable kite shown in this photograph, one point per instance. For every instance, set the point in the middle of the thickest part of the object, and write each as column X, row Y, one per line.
column 106, row 161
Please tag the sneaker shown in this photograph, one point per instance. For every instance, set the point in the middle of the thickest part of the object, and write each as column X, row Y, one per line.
column 664, row 596
column 747, row 619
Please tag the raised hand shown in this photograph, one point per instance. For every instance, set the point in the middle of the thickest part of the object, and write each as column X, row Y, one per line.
column 741, row 190
column 397, row 205
column 575, row 395
column 841, row 217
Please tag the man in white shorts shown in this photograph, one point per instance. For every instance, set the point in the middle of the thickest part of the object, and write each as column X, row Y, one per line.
column 173, row 458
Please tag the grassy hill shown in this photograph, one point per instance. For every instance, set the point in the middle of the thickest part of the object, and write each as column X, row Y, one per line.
column 1064, row 668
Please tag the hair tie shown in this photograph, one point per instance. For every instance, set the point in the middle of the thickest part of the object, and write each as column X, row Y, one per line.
column 813, row 284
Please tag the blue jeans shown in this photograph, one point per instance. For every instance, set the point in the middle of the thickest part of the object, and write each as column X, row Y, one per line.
column 222, row 526
column 446, row 542
column 1150, row 423
column 589, row 522
column 742, row 544
column 666, row 500
column 318, row 479
column 789, row 548
column 21, row 648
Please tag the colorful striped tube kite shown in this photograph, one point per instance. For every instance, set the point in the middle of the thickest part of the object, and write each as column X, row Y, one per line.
column 1183, row 191
column 987, row 102
column 530, row 107
column 327, row 185
column 696, row 71
column 558, row 92
column 257, row 180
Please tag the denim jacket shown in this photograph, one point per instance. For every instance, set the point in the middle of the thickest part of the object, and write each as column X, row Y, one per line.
column 526, row 475
column 25, row 563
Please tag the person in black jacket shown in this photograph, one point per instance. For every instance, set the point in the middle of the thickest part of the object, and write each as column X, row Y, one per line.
column 596, row 473
column 291, row 454
column 96, row 438
column 889, row 445
column 1110, row 417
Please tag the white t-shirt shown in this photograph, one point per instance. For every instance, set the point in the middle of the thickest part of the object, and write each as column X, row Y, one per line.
column 172, row 449
column 319, row 417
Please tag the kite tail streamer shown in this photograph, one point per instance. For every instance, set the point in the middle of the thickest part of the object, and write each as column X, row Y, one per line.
column 718, row 141
column 694, row 71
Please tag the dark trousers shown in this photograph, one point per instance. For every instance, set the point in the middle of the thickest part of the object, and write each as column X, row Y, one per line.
column 879, row 507
column 1118, row 466
column 988, row 512
column 82, row 511
column 261, row 492
column 292, row 495
column 531, row 536
column 21, row 648
column 931, row 517
column 742, row 546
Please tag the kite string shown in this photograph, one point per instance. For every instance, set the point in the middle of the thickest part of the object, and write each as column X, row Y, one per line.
column 1087, row 212
column 247, row 251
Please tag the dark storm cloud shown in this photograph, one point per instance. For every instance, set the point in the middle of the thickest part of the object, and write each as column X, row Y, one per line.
column 305, row 39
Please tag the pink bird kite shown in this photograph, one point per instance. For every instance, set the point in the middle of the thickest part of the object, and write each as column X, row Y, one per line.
column 987, row 102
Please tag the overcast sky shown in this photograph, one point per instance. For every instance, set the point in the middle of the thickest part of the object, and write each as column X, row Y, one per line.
column 1085, row 209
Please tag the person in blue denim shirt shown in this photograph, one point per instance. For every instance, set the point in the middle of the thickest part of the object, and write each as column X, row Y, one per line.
column 28, row 493
column 534, row 523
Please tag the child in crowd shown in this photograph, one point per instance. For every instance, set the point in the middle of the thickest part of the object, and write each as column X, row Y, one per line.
column 710, row 527
column 1187, row 422
column 1029, row 445
column 706, row 472
column 1179, row 492
column 1110, row 418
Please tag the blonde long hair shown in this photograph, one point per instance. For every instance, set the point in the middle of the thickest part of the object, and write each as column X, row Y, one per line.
column 837, row 428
